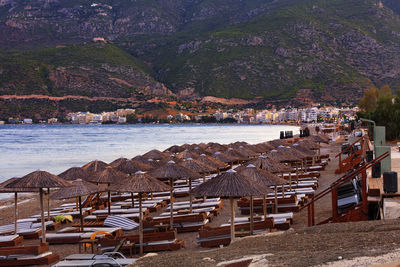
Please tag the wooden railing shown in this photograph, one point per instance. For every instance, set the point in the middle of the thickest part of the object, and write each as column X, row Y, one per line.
column 354, row 158
column 334, row 187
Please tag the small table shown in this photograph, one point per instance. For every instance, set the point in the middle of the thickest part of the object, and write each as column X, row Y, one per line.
column 91, row 242
column 131, row 247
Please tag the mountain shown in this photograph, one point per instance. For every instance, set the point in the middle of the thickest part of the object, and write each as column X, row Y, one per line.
column 263, row 49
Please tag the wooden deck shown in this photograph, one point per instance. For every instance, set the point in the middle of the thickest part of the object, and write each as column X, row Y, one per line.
column 375, row 189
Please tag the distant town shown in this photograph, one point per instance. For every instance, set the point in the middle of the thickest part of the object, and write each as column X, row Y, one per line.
column 245, row 116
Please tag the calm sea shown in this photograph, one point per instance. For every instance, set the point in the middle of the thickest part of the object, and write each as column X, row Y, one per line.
column 55, row 148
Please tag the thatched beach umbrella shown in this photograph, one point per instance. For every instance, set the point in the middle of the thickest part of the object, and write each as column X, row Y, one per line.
column 140, row 183
column 95, row 166
column 224, row 158
column 244, row 150
column 265, row 178
column 39, row 180
column 236, row 154
column 186, row 154
column 117, row 162
column 277, row 142
column 230, row 184
column 132, row 166
column 174, row 149
column 212, row 162
column 74, row 173
column 197, row 167
column 153, row 163
column 4, row 189
column 171, row 171
column 155, row 154
column 107, row 176
column 80, row 188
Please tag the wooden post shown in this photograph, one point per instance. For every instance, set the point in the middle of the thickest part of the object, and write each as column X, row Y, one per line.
column 140, row 224
column 364, row 191
column 133, row 202
column 80, row 212
column 265, row 207
column 190, row 195
column 312, row 211
column 232, row 219
column 15, row 213
column 109, row 202
column 251, row 215
column 297, row 172
column 290, row 181
column 42, row 216
column 171, row 202
column 76, row 204
column 276, row 199
column 334, row 203
column 48, row 204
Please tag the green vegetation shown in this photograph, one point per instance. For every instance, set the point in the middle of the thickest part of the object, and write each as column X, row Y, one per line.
column 382, row 107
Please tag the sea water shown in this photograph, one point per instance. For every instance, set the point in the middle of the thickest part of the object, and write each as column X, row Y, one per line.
column 55, row 148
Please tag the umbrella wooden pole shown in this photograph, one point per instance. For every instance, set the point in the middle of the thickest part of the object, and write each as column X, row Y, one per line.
column 80, row 212
column 290, row 181
column 140, row 224
column 297, row 172
column 251, row 215
column 48, row 204
column 190, row 195
column 265, row 207
column 151, row 195
column 313, row 161
column 133, row 202
column 15, row 212
column 77, row 203
column 232, row 219
column 42, row 215
column 109, row 202
column 171, row 201
column 276, row 199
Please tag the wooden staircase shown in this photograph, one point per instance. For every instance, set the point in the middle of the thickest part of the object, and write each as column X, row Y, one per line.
column 358, row 212
column 354, row 158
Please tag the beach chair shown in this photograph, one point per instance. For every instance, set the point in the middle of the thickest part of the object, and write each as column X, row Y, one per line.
column 46, row 258
column 122, row 222
column 88, row 260
column 10, row 240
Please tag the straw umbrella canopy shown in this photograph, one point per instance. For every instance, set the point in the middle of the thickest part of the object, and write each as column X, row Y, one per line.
column 319, row 138
column 230, row 184
column 224, row 157
column 74, row 173
column 236, row 154
column 153, row 163
column 80, row 188
column 277, row 142
column 309, row 144
column 140, row 183
column 245, row 151
column 39, row 180
column 155, row 154
column 171, row 171
column 212, row 162
column 197, row 167
column 95, row 166
column 269, row 164
column 174, row 149
column 4, row 189
column 305, row 150
column 196, row 150
column 132, row 166
column 107, row 176
column 265, row 178
column 118, row 161
column 186, row 154
column 282, row 156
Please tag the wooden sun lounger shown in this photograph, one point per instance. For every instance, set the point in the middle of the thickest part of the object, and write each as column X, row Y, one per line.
column 98, row 262
column 10, row 240
column 30, row 233
column 216, row 236
column 46, row 258
column 157, row 241
column 26, row 250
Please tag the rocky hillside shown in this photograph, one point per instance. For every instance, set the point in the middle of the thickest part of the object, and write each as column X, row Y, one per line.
column 94, row 70
column 226, row 48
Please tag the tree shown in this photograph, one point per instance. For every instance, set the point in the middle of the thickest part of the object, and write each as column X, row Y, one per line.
column 369, row 99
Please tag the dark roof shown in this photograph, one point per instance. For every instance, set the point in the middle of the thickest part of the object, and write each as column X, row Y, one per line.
column 74, row 173
column 107, row 176
column 171, row 170
column 79, row 188
column 261, row 176
column 95, row 166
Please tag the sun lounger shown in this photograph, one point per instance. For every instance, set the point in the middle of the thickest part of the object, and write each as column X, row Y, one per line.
column 10, row 240
column 118, row 221
column 25, row 250
column 157, row 241
column 25, row 260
